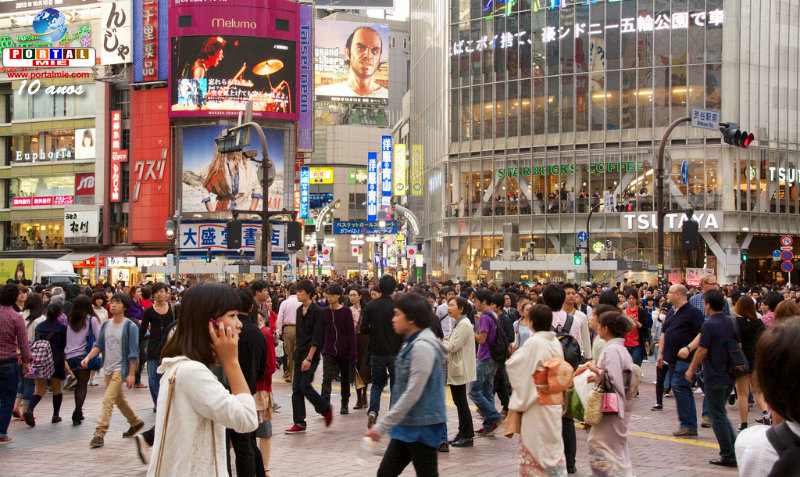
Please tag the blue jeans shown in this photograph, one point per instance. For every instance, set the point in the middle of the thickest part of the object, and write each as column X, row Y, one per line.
column 481, row 391
column 381, row 365
column 153, row 379
column 684, row 399
column 9, row 376
column 25, row 388
column 636, row 354
column 716, row 397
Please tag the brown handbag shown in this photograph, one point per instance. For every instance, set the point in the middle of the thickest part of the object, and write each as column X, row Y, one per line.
column 159, row 459
column 513, row 423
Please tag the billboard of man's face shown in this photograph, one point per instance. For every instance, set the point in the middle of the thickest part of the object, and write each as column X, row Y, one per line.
column 364, row 53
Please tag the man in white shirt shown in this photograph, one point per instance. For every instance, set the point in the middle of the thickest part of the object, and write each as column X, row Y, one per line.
column 579, row 318
column 554, row 296
column 363, row 51
column 285, row 327
column 447, row 322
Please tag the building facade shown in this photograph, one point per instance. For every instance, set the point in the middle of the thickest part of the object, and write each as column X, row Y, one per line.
column 555, row 108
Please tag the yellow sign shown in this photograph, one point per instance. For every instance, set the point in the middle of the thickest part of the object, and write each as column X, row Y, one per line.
column 400, row 184
column 417, row 167
column 16, row 269
column 321, row 175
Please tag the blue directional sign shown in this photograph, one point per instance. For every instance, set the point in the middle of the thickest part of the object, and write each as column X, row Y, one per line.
column 372, row 186
column 685, row 173
column 786, row 255
column 582, row 236
column 787, row 267
column 386, row 171
column 776, row 254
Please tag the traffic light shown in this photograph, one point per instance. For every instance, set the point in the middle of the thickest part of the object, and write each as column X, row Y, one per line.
column 689, row 235
column 744, row 254
column 234, row 234
column 228, row 143
column 731, row 134
column 208, row 257
column 578, row 259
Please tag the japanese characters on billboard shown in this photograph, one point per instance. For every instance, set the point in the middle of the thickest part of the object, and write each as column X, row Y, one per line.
column 81, row 223
column 351, row 62
column 150, row 40
column 348, row 4
column 217, row 75
column 231, row 181
column 116, row 19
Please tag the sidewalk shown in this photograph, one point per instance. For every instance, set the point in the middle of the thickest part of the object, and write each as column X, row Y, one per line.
column 61, row 449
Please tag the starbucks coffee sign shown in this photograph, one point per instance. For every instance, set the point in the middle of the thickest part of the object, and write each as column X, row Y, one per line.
column 552, row 170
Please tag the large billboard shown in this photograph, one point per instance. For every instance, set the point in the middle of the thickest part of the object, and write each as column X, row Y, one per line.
column 217, row 75
column 231, row 181
column 351, row 62
column 348, row 4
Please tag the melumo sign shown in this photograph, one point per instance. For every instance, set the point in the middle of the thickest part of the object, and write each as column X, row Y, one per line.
column 552, row 170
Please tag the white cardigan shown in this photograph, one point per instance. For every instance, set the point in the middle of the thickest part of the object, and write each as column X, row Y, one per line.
column 461, row 364
column 197, row 401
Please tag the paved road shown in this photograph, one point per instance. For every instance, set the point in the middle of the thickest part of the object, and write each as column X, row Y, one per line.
column 61, row 449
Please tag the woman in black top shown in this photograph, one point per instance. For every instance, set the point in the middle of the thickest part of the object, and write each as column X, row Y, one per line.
column 55, row 333
column 749, row 328
column 158, row 319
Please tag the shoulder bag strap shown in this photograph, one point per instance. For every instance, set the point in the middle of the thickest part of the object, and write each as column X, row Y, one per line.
column 166, row 426
column 567, row 324
column 781, row 438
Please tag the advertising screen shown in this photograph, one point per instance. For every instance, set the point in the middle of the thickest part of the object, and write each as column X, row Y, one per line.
column 231, row 181
column 217, row 75
column 351, row 62
column 84, row 143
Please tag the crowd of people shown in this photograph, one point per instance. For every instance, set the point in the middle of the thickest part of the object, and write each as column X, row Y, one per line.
column 533, row 359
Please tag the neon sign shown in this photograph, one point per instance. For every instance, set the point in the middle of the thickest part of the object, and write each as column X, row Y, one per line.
column 502, row 7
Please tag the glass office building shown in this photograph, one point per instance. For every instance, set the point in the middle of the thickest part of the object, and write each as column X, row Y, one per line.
column 555, row 107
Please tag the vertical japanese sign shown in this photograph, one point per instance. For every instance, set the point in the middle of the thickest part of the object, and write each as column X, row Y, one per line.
column 372, row 186
column 305, row 93
column 149, row 40
column 416, row 169
column 400, row 184
column 116, row 144
column 305, row 180
column 116, row 21
column 386, row 171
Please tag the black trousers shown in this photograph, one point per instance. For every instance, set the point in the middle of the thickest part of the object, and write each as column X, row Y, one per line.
column 330, row 365
column 399, row 454
column 248, row 456
column 568, row 436
column 502, row 387
column 302, row 390
column 459, row 394
column 661, row 375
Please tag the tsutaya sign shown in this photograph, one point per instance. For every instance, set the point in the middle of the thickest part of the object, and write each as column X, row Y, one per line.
column 553, row 170
column 644, row 23
column 788, row 175
column 707, row 221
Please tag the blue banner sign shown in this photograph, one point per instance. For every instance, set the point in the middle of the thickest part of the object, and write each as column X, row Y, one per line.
column 363, row 227
column 386, row 171
column 372, row 186
column 305, row 180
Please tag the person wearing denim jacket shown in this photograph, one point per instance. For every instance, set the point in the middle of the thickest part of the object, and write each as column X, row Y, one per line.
column 119, row 366
column 417, row 415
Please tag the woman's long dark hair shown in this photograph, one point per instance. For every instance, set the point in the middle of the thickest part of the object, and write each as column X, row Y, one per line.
column 53, row 312
column 198, row 304
column 34, row 305
column 81, row 309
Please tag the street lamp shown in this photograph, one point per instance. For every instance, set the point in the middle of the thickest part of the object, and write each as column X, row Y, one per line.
column 173, row 229
column 169, row 227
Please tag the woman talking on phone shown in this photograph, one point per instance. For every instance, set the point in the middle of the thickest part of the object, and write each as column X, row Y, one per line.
column 195, row 409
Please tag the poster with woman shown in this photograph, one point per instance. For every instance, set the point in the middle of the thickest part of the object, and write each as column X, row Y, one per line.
column 84, row 143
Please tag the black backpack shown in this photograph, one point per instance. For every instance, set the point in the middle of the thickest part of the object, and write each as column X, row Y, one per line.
column 499, row 349
column 571, row 347
column 787, row 445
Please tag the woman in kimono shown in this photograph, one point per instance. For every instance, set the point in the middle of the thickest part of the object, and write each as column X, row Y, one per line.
column 608, row 439
column 541, row 448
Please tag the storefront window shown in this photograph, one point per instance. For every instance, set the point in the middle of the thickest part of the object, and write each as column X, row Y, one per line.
column 36, row 236
column 56, row 145
column 43, row 186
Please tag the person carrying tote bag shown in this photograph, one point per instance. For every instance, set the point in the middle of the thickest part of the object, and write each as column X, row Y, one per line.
column 194, row 412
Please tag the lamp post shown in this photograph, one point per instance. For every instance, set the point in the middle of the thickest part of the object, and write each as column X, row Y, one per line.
column 319, row 228
column 588, row 243
column 659, row 198
column 173, row 229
